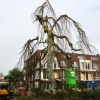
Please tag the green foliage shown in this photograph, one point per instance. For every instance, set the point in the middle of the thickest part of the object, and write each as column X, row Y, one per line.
column 96, row 95
column 63, row 95
column 38, row 92
column 13, row 74
column 60, row 95
column 25, row 98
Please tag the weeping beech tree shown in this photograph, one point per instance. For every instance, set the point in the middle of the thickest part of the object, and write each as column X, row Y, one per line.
column 61, row 34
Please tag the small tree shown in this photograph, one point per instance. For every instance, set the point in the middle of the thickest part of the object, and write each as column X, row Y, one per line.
column 13, row 74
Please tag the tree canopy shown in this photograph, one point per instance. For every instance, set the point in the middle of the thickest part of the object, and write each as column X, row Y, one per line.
column 63, row 33
column 13, row 74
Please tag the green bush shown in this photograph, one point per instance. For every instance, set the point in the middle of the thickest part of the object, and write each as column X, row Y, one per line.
column 62, row 95
column 38, row 92
column 96, row 95
column 25, row 98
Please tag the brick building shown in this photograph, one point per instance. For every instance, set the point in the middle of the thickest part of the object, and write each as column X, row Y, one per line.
column 87, row 69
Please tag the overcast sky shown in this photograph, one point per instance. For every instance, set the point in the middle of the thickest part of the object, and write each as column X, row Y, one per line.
column 16, row 25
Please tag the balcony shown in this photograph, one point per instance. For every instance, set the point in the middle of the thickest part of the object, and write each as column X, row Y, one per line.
column 42, row 79
column 75, row 68
column 96, row 78
column 87, row 70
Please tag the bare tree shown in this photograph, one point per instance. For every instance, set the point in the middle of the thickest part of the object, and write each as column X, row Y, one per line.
column 55, row 34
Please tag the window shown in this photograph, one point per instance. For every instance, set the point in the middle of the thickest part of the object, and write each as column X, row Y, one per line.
column 54, row 64
column 97, row 76
column 36, row 85
column 87, row 66
column 46, row 85
column 82, row 65
column 96, row 66
column 81, row 57
column 44, row 63
column 94, row 58
column 63, row 63
column 37, row 75
column 75, row 64
column 82, row 76
column 44, row 74
column 62, row 74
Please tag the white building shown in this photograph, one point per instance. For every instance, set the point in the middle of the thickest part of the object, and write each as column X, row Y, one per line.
column 1, row 77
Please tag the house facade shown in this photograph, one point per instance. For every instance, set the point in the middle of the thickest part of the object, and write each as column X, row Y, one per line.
column 87, row 68
column 1, row 77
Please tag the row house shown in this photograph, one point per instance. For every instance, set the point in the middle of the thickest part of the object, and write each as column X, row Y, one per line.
column 87, row 68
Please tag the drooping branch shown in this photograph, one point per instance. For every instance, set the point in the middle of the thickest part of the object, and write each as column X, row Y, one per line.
column 67, row 39
column 61, row 25
column 27, row 51
column 82, row 35
column 92, row 48
column 66, row 17
column 27, row 47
